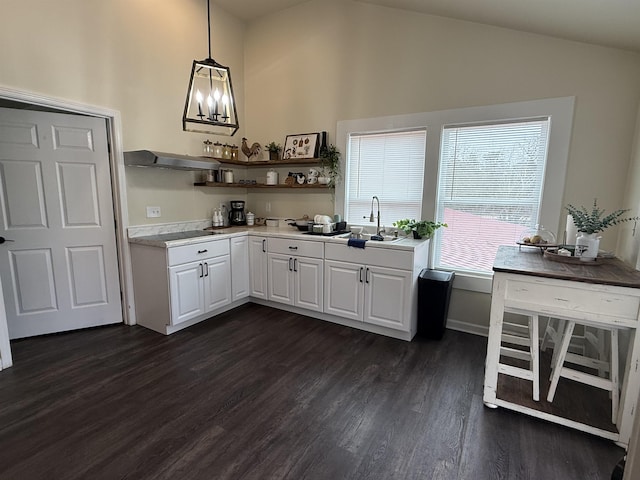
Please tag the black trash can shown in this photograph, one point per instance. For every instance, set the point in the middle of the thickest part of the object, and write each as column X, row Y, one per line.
column 434, row 293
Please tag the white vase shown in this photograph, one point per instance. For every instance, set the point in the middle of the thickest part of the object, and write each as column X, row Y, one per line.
column 587, row 246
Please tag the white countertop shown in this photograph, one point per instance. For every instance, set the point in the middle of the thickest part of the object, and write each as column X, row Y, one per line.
column 286, row 232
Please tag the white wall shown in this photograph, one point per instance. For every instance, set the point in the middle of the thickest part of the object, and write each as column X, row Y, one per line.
column 629, row 239
column 309, row 66
column 134, row 56
column 323, row 61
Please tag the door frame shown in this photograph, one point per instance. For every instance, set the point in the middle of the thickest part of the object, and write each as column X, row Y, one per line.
column 119, row 191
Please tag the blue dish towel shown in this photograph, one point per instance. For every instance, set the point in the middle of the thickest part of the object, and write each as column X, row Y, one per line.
column 356, row 242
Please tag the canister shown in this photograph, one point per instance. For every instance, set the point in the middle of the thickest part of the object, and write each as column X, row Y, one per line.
column 272, row 177
column 217, row 150
column 226, row 152
column 228, row 176
column 251, row 218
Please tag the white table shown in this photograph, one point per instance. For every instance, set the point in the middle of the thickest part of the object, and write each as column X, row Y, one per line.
column 526, row 282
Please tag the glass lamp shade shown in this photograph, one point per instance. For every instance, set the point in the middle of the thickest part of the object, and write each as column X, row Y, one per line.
column 210, row 106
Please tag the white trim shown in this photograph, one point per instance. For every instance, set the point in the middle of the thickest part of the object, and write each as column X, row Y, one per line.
column 560, row 109
column 6, row 360
column 118, row 178
column 466, row 327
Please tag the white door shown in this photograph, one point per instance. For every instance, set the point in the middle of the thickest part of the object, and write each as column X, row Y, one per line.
column 280, row 278
column 343, row 289
column 258, row 267
column 217, row 282
column 308, row 282
column 387, row 297
column 60, row 271
column 187, row 295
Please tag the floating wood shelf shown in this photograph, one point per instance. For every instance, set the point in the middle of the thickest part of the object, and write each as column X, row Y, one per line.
column 261, row 185
column 268, row 163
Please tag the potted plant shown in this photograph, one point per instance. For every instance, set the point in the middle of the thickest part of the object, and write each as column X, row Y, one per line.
column 274, row 150
column 419, row 229
column 588, row 223
column 595, row 221
column 330, row 161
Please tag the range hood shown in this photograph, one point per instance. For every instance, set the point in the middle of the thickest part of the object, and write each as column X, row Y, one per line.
column 149, row 158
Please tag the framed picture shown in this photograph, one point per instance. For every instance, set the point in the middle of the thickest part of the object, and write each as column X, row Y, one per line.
column 304, row 145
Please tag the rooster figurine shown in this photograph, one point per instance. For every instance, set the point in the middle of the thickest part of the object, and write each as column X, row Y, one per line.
column 254, row 151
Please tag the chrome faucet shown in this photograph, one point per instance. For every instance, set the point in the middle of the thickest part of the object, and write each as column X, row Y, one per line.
column 371, row 217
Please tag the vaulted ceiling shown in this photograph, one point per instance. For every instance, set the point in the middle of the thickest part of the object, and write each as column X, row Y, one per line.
column 613, row 23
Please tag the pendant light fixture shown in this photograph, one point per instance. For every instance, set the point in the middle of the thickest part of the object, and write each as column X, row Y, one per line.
column 210, row 106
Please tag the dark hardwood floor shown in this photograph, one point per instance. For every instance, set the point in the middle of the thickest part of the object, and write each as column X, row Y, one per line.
column 258, row 393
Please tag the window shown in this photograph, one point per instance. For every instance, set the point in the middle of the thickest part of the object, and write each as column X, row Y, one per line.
column 489, row 189
column 451, row 131
column 390, row 166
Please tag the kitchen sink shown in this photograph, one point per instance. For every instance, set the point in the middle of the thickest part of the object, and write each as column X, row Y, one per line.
column 367, row 236
column 385, row 238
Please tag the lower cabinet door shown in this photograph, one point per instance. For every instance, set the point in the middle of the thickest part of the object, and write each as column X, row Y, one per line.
column 239, row 267
column 280, row 278
column 308, row 273
column 258, row 267
column 343, row 289
column 387, row 297
column 217, row 282
column 187, row 299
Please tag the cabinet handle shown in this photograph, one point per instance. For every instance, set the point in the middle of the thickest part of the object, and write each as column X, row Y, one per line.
column 203, row 251
column 366, row 277
column 206, row 269
column 293, row 248
column 264, row 245
column 290, row 269
column 295, row 264
column 361, row 268
column 201, row 270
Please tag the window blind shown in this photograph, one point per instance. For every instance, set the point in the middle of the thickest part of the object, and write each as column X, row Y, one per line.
column 489, row 189
column 390, row 166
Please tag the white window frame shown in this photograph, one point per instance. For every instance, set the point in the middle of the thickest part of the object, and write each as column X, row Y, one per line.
column 560, row 110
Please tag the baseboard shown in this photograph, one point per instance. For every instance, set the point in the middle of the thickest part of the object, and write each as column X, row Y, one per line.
column 467, row 327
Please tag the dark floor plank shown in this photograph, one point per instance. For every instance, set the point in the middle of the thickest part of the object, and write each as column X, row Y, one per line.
column 258, row 393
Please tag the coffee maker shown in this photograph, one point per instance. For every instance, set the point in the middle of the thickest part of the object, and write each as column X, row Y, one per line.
column 236, row 215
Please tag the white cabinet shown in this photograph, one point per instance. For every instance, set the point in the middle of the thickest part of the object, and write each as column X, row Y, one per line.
column 239, row 267
column 200, row 286
column 366, row 293
column 343, row 289
column 381, row 290
column 187, row 294
column 177, row 286
column 258, row 267
column 374, row 289
column 387, row 297
column 295, row 273
column 217, row 288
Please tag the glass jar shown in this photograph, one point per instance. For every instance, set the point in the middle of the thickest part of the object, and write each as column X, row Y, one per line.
column 234, row 152
column 207, row 148
column 217, row 150
column 226, row 152
column 537, row 236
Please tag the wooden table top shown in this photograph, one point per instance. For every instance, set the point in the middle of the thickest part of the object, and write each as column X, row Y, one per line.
column 531, row 261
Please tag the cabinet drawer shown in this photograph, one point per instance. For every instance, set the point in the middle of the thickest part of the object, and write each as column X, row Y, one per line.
column 581, row 301
column 197, row 251
column 302, row 248
column 380, row 257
